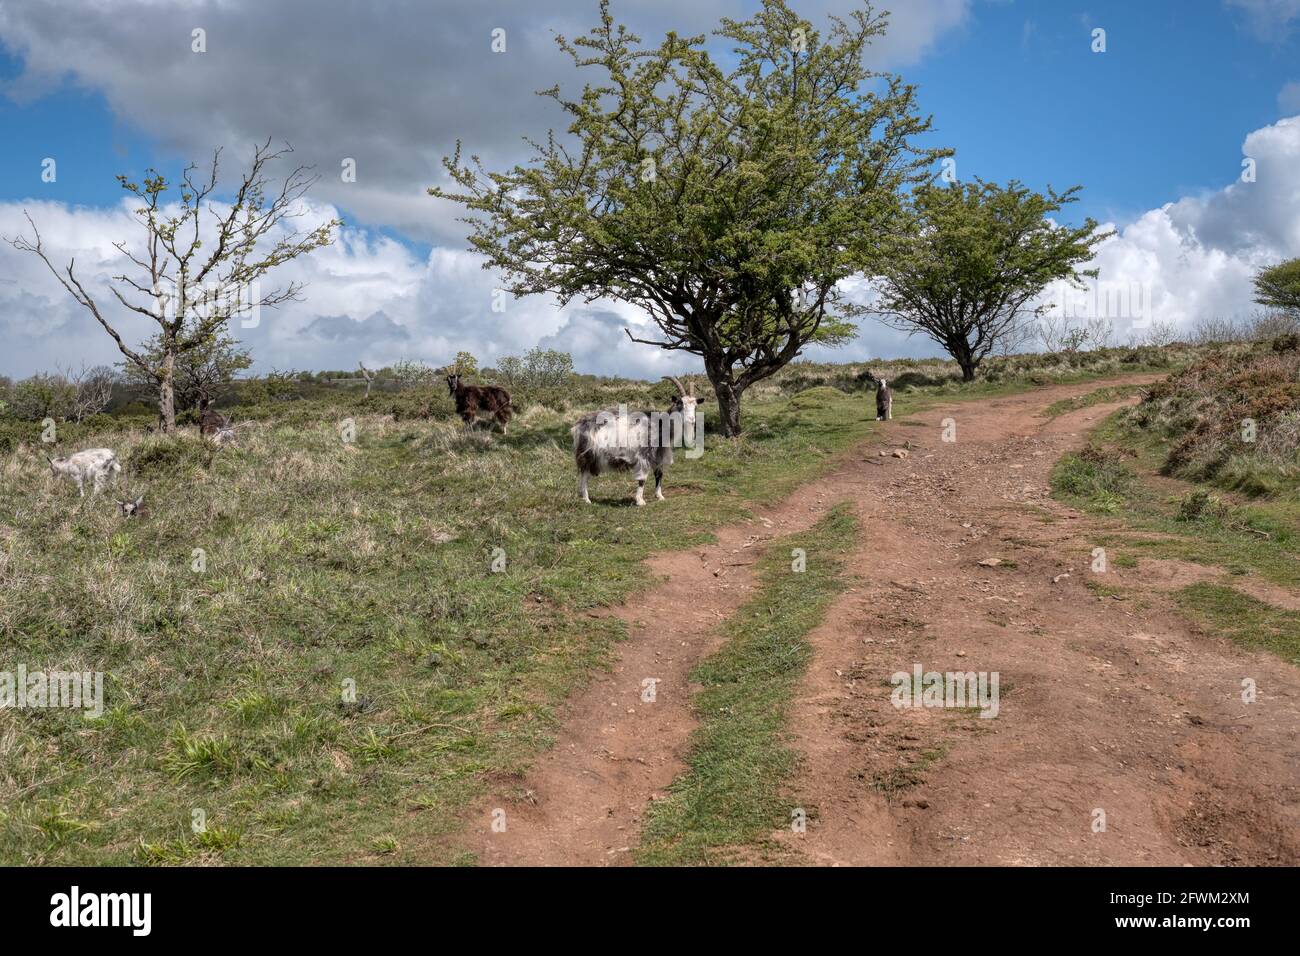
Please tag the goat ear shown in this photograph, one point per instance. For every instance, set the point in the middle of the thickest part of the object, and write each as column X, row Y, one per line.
column 139, row 502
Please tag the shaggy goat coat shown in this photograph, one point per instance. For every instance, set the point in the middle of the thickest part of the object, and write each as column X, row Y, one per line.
column 475, row 400
column 884, row 402
column 95, row 464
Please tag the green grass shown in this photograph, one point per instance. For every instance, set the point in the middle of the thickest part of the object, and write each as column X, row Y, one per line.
column 327, row 563
column 1249, row 622
column 1100, row 396
column 344, row 669
column 1094, row 477
column 734, row 793
column 1118, row 476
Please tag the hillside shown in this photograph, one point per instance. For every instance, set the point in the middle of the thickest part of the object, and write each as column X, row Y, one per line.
column 302, row 633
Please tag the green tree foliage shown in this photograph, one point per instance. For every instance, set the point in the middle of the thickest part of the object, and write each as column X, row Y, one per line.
column 42, row 396
column 539, row 368
column 975, row 258
column 726, row 199
column 465, row 364
column 201, row 372
column 1278, row 287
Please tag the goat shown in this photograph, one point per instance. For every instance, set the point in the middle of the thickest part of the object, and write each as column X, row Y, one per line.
column 214, row 425
column 97, row 464
column 611, row 439
column 475, row 400
column 884, row 401
column 131, row 509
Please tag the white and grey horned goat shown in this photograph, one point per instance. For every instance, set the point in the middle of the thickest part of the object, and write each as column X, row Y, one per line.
column 641, row 442
column 95, row 464
column 884, row 401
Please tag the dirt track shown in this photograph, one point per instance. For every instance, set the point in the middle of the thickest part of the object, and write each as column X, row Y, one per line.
column 1106, row 704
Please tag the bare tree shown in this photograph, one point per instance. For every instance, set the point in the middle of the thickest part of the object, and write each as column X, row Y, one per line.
column 1101, row 332
column 1265, row 326
column 1210, row 330
column 368, row 375
column 1160, row 334
column 92, row 390
column 194, row 276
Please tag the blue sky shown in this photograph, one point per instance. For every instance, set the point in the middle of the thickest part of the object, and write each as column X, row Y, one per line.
column 1159, row 118
column 1159, row 115
column 1016, row 90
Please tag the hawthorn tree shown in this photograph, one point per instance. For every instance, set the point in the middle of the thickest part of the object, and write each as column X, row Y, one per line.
column 199, row 264
column 727, row 201
column 975, row 258
column 1278, row 287
column 200, row 373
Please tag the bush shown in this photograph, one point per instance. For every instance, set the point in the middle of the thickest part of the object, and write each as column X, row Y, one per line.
column 1095, row 475
column 539, row 368
column 1232, row 417
column 1199, row 504
column 167, row 456
column 43, row 396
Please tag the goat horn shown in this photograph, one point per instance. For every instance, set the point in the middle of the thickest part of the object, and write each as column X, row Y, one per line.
column 680, row 390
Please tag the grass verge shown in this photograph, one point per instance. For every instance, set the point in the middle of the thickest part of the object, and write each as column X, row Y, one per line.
column 1246, row 620
column 732, row 796
column 1118, row 475
column 1100, row 396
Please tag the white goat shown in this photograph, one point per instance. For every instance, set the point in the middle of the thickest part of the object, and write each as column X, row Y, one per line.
column 97, row 464
column 640, row 442
column 884, row 401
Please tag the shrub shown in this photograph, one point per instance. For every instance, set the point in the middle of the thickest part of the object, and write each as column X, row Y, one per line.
column 1232, row 416
column 539, row 368
column 43, row 396
column 1199, row 504
column 1096, row 475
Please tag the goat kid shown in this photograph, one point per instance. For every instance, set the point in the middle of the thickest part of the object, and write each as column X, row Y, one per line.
column 611, row 440
column 97, row 464
column 475, row 400
column 131, row 509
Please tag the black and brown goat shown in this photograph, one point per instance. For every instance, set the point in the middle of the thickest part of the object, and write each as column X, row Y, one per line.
column 472, row 401
column 214, row 425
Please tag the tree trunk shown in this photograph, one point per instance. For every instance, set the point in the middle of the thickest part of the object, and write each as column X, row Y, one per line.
column 167, row 395
column 728, row 399
column 966, row 360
